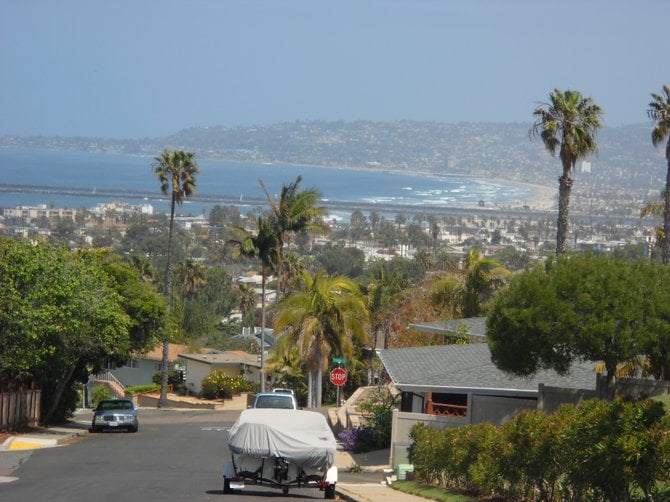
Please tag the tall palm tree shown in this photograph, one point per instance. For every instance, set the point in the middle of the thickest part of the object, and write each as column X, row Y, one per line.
column 176, row 170
column 295, row 211
column 659, row 112
column 325, row 315
column 261, row 245
column 567, row 123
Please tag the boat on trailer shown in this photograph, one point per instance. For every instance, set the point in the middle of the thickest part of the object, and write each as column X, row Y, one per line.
column 282, row 449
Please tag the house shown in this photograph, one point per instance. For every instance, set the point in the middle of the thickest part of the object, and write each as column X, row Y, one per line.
column 232, row 363
column 141, row 368
column 451, row 385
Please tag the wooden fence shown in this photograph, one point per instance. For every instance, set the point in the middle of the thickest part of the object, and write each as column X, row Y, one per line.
column 20, row 408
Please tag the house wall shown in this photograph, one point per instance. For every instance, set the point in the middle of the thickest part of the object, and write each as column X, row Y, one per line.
column 549, row 399
column 481, row 408
column 195, row 372
column 497, row 409
column 141, row 375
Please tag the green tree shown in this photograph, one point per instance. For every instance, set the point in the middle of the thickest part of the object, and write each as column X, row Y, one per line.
column 567, row 124
column 325, row 315
column 65, row 312
column 261, row 245
column 596, row 308
column 176, row 171
column 659, row 112
column 295, row 211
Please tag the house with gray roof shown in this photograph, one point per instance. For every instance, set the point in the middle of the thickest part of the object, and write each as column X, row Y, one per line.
column 451, row 385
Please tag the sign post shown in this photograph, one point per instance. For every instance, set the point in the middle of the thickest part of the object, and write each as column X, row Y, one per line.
column 338, row 377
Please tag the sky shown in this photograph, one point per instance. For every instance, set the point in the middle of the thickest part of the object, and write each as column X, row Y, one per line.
column 149, row 68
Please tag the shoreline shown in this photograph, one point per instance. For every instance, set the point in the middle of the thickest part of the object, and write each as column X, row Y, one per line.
column 541, row 198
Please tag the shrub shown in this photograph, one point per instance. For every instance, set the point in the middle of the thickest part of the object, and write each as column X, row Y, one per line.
column 174, row 377
column 362, row 439
column 98, row 393
column 599, row 450
column 378, row 413
column 218, row 385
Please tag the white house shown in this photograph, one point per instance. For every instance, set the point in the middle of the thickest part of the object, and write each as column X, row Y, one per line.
column 232, row 363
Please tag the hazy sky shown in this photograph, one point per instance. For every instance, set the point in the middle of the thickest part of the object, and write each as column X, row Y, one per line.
column 136, row 68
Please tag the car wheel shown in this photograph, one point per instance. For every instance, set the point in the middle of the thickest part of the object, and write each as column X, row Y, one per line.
column 226, row 485
column 133, row 428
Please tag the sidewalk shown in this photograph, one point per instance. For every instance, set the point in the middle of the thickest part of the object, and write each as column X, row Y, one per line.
column 371, row 462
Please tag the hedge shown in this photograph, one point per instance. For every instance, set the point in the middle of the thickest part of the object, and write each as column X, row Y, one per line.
column 597, row 451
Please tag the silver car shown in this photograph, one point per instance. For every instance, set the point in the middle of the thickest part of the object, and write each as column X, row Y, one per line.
column 115, row 414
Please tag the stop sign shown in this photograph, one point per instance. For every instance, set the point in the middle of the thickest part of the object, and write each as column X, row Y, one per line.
column 338, row 376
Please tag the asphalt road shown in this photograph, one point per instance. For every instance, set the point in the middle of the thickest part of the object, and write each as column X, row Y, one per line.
column 175, row 456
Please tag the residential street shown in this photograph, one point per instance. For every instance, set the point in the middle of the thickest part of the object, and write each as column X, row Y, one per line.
column 176, row 455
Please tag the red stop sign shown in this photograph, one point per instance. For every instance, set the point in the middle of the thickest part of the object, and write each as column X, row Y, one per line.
column 338, row 376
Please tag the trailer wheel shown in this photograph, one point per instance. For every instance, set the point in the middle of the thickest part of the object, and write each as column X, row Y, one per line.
column 329, row 492
column 226, row 485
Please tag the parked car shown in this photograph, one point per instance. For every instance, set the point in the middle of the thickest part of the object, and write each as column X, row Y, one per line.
column 275, row 400
column 115, row 414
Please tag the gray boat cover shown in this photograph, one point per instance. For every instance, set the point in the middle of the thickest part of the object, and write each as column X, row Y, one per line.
column 299, row 436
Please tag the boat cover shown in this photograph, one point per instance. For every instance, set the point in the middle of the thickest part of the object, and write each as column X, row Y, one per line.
column 299, row 436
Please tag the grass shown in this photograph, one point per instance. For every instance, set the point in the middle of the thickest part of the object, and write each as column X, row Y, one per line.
column 429, row 492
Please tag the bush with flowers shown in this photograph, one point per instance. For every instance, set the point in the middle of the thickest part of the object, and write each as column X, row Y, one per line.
column 218, row 385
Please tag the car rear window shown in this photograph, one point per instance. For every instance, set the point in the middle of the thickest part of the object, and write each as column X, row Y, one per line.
column 274, row 402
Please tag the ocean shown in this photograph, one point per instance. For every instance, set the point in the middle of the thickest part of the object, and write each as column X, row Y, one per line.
column 90, row 172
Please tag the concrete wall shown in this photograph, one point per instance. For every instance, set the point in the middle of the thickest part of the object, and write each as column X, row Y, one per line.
column 638, row 388
column 402, row 425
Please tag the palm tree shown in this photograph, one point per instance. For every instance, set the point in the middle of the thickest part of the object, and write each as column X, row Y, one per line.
column 659, row 112
column 191, row 275
column 261, row 245
column 247, row 302
column 325, row 315
column 568, row 123
column 447, row 294
column 295, row 211
column 176, row 170
column 483, row 275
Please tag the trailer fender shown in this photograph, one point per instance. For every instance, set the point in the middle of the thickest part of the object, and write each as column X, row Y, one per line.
column 331, row 475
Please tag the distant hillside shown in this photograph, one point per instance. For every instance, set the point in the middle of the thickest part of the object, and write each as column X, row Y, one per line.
column 626, row 157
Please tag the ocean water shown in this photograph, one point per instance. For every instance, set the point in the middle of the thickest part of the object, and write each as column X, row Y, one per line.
column 91, row 171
